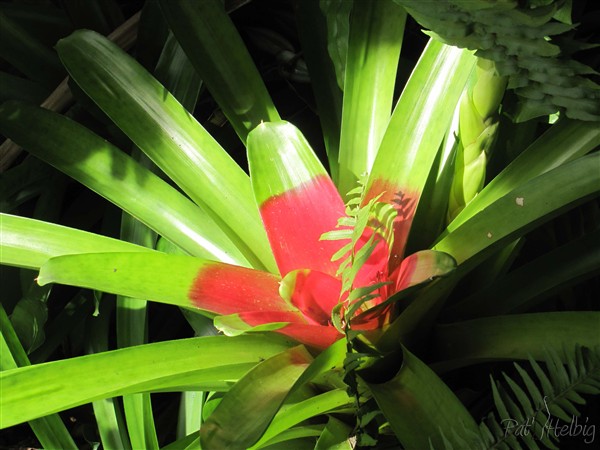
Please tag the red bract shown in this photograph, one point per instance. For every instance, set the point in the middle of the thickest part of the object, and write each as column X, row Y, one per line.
column 298, row 202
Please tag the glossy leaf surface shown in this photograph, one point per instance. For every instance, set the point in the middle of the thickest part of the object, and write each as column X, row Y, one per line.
column 162, row 128
column 30, row 243
column 209, row 363
column 105, row 169
column 415, row 132
column 522, row 208
column 376, row 31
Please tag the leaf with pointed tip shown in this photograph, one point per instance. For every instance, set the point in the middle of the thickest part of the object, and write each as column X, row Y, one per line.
column 563, row 142
column 30, row 243
column 422, row 266
column 294, row 193
column 293, row 414
column 234, row 424
column 161, row 127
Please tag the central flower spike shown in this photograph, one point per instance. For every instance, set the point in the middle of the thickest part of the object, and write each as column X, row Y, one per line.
column 298, row 203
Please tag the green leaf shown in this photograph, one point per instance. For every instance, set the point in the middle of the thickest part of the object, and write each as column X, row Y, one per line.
column 169, row 135
column 50, row 430
column 175, row 71
column 523, row 208
column 312, row 30
column 30, row 243
column 215, row 48
column 531, row 283
column 335, row 436
column 105, row 169
column 421, row 408
column 29, row 317
column 207, row 363
column 513, row 337
column 416, row 130
column 337, row 14
column 563, row 142
column 248, row 407
column 290, row 415
column 108, row 412
column 376, row 31
column 137, row 275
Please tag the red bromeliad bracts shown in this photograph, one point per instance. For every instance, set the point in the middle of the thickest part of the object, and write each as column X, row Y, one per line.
column 298, row 202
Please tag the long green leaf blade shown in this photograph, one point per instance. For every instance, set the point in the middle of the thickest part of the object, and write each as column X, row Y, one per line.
column 29, row 243
column 162, row 128
column 215, row 48
column 524, row 207
column 512, row 337
column 209, row 363
column 563, row 142
column 415, row 132
column 103, row 168
column 376, row 31
column 312, row 31
column 50, row 430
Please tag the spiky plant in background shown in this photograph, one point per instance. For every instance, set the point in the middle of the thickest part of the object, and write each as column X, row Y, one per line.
column 531, row 42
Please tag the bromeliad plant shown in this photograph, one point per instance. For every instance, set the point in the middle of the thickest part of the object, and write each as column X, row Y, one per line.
column 342, row 303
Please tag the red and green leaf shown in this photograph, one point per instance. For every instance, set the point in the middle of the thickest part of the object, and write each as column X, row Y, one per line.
column 298, row 201
column 416, row 130
column 175, row 279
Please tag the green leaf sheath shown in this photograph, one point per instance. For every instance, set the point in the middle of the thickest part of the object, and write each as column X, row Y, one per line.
column 207, row 363
column 29, row 243
column 416, row 130
column 523, row 208
column 478, row 125
column 235, row 423
column 102, row 167
column 421, row 407
column 376, row 31
column 219, row 55
column 161, row 127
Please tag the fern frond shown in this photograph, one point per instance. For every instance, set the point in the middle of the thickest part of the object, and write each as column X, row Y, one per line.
column 529, row 412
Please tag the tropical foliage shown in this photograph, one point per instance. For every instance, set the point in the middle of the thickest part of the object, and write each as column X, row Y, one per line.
column 284, row 279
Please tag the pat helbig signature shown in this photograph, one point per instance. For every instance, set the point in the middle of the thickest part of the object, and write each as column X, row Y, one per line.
column 553, row 427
